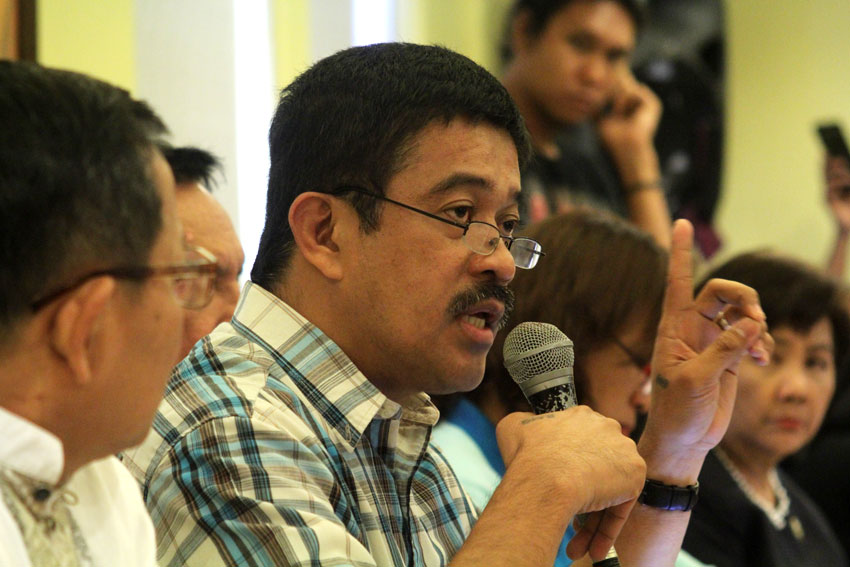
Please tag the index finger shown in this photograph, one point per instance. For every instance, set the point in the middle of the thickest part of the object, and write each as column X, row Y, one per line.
column 680, row 278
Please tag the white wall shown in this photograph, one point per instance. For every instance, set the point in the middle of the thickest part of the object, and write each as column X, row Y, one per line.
column 205, row 66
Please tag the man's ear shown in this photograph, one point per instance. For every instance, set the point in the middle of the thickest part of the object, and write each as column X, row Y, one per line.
column 314, row 219
column 75, row 322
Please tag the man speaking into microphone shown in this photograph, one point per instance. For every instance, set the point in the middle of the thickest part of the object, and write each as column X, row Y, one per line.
column 298, row 433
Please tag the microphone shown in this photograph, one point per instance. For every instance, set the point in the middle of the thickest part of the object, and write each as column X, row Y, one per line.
column 539, row 358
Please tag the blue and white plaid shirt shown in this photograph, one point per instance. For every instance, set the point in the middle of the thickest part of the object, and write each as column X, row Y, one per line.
column 272, row 448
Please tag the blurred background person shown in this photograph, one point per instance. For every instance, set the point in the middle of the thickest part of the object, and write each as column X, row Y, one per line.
column 206, row 224
column 591, row 123
column 837, row 173
column 610, row 314
column 823, row 466
column 751, row 513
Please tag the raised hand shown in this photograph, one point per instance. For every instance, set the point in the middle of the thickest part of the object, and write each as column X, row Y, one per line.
column 633, row 117
column 699, row 345
column 837, row 172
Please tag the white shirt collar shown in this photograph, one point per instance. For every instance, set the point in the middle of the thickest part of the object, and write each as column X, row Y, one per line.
column 29, row 449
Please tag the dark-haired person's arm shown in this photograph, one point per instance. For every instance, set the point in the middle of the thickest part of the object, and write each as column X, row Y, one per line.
column 837, row 172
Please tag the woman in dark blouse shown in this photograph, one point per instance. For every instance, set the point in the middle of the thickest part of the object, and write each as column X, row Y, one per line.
column 751, row 514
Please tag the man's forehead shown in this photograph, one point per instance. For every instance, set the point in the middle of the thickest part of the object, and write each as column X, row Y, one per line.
column 597, row 18
column 462, row 155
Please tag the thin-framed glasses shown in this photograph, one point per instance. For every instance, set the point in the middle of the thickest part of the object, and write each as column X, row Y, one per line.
column 479, row 236
column 639, row 361
column 191, row 281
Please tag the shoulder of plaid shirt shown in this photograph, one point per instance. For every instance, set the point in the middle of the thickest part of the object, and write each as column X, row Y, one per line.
column 270, row 447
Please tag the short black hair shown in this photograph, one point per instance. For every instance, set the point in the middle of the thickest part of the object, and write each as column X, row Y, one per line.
column 792, row 294
column 192, row 165
column 76, row 187
column 350, row 119
column 541, row 11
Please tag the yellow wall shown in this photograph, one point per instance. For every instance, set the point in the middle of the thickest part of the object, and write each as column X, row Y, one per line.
column 471, row 27
column 291, row 38
column 786, row 70
column 96, row 37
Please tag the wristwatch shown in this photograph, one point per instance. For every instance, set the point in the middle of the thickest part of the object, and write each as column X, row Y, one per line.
column 668, row 496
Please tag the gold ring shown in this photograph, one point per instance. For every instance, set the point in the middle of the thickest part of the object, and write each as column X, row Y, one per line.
column 721, row 321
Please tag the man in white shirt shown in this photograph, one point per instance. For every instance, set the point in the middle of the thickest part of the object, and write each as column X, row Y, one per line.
column 94, row 279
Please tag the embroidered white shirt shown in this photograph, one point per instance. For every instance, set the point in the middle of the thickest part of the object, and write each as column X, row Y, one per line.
column 110, row 513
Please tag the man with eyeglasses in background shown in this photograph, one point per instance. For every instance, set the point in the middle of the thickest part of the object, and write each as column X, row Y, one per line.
column 94, row 282
column 299, row 434
column 206, row 224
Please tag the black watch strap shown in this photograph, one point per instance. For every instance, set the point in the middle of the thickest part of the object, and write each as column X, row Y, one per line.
column 669, row 497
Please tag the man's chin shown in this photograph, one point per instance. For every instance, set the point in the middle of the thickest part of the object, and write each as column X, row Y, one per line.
column 458, row 383
column 469, row 381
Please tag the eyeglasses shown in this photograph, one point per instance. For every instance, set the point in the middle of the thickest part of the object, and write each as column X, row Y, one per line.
column 480, row 237
column 191, row 282
column 639, row 361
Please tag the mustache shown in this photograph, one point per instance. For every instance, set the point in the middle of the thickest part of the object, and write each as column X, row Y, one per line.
column 465, row 300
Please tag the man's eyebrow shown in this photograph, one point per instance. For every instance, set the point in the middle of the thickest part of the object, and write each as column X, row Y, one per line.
column 459, row 179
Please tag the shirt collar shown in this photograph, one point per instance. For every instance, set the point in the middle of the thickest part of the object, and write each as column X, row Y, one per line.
column 321, row 370
column 29, row 449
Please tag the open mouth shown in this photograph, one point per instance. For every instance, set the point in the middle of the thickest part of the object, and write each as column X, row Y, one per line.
column 477, row 320
column 485, row 306
column 485, row 315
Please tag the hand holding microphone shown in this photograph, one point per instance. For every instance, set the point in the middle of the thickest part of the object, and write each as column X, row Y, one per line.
column 539, row 358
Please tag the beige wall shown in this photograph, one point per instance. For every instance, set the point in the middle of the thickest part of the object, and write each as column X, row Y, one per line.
column 291, row 20
column 471, row 27
column 96, row 37
column 786, row 71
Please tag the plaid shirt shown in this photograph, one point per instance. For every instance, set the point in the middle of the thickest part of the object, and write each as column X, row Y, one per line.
column 272, row 448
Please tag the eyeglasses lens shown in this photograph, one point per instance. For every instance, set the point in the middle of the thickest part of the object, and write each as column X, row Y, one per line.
column 525, row 252
column 193, row 290
column 481, row 238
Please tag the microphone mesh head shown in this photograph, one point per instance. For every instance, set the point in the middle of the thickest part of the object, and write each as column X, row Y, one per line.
column 535, row 348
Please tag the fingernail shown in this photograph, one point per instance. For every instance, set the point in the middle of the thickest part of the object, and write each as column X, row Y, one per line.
column 759, row 355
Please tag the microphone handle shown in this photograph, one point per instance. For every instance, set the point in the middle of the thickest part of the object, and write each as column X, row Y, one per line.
column 557, row 398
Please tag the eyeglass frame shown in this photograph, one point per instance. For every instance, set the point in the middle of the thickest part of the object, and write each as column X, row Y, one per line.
column 508, row 239
column 645, row 367
column 209, row 265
